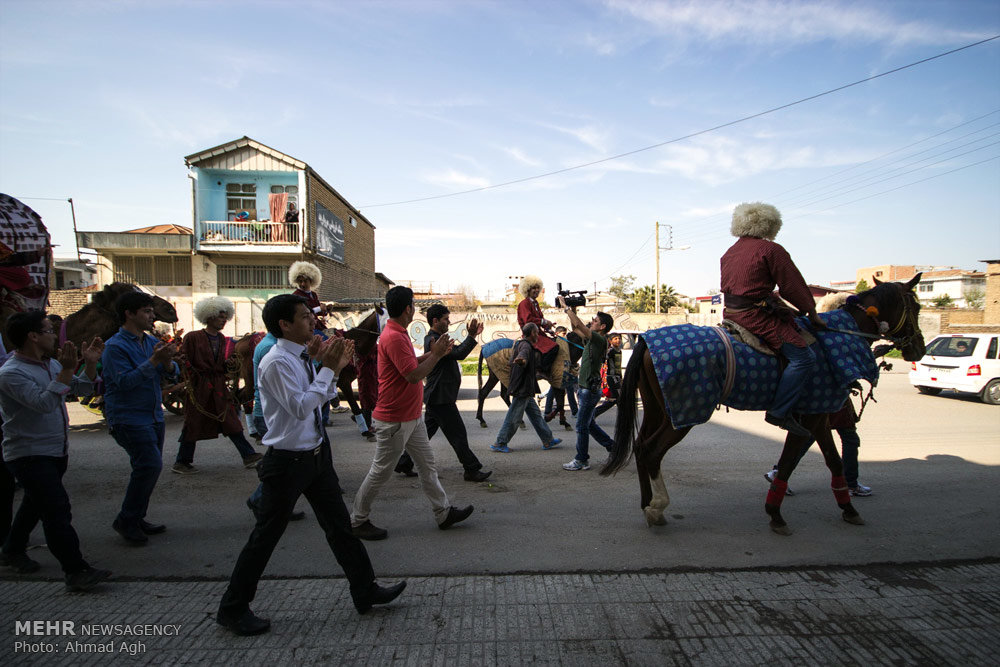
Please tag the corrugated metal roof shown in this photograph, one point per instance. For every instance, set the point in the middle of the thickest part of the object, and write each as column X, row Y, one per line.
column 245, row 150
column 160, row 229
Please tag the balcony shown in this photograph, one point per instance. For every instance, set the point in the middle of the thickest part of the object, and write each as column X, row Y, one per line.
column 250, row 236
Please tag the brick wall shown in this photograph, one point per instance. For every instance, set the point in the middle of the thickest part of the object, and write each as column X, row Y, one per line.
column 355, row 278
column 68, row 301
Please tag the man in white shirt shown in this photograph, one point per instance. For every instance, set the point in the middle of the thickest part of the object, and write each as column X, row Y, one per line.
column 298, row 462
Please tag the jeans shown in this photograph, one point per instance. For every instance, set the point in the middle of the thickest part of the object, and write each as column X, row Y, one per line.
column 569, row 389
column 447, row 418
column 519, row 406
column 144, row 445
column 391, row 439
column 284, row 476
column 45, row 499
column 185, row 453
column 586, row 426
column 850, row 443
column 801, row 364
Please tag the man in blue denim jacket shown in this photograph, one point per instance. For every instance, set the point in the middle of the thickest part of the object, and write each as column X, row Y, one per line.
column 133, row 363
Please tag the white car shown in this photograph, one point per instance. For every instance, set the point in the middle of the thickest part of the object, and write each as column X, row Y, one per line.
column 961, row 362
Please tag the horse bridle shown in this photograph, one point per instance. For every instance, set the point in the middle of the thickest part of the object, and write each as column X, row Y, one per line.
column 908, row 316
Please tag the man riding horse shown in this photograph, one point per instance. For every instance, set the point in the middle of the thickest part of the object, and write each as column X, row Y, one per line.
column 750, row 270
column 528, row 310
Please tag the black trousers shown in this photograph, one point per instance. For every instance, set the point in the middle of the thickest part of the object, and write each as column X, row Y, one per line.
column 284, row 476
column 445, row 416
column 45, row 499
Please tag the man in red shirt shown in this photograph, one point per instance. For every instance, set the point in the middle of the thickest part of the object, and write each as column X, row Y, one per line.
column 399, row 421
column 750, row 270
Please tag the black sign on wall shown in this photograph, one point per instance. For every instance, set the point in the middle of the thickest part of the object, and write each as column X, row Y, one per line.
column 329, row 234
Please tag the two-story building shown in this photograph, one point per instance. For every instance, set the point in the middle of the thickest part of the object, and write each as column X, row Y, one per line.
column 254, row 211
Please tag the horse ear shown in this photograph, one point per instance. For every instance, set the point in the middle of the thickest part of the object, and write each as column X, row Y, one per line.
column 876, row 280
column 912, row 282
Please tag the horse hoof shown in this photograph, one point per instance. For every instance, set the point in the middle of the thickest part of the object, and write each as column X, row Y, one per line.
column 523, row 426
column 654, row 518
column 781, row 529
column 482, row 424
column 854, row 519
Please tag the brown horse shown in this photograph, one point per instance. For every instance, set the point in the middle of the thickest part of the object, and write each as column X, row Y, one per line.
column 98, row 318
column 896, row 305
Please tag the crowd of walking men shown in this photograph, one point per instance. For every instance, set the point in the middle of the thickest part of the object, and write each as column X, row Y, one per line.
column 295, row 371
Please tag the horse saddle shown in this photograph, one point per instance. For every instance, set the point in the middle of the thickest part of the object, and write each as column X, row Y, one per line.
column 743, row 335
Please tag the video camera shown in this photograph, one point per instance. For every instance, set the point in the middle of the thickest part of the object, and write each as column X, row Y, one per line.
column 573, row 298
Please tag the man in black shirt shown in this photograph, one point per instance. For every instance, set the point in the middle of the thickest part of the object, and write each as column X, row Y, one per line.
column 441, row 393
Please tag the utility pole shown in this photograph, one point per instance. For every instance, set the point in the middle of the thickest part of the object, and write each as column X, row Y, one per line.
column 76, row 242
column 669, row 246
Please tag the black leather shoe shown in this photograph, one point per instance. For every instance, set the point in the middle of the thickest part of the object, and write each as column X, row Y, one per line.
column 131, row 532
column 297, row 516
column 379, row 595
column 477, row 475
column 788, row 423
column 455, row 515
column 409, row 472
column 247, row 624
column 85, row 579
column 369, row 531
column 151, row 528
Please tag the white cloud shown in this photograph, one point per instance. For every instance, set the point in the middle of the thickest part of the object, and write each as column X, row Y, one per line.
column 454, row 179
column 588, row 135
column 521, row 156
column 760, row 22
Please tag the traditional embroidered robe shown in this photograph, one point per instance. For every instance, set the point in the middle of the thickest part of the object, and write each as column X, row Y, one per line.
column 206, row 375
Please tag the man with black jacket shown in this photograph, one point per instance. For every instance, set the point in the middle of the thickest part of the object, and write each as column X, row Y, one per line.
column 441, row 393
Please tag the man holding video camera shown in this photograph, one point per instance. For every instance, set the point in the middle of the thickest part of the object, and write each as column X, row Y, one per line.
column 594, row 350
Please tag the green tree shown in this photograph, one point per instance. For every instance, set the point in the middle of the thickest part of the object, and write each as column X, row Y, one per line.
column 943, row 301
column 621, row 287
column 862, row 286
column 974, row 297
column 643, row 300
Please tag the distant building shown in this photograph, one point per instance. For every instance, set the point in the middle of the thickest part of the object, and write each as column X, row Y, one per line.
column 241, row 244
column 949, row 282
column 71, row 273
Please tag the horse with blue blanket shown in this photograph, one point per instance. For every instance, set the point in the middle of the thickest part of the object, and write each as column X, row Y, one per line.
column 683, row 372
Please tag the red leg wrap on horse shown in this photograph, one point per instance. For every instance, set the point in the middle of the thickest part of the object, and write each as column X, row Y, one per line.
column 776, row 493
column 840, row 492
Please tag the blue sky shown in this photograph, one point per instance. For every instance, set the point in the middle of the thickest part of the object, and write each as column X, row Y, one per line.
column 393, row 101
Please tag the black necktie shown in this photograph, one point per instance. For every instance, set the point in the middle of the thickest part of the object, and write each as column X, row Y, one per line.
column 317, row 415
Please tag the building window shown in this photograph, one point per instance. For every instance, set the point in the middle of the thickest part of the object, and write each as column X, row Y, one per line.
column 354, row 223
column 148, row 270
column 925, row 288
column 292, row 190
column 253, row 277
column 241, row 197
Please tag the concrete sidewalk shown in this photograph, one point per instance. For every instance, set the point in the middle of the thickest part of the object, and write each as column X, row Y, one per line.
column 926, row 614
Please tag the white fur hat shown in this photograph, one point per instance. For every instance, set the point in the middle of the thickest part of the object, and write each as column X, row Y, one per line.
column 307, row 269
column 756, row 219
column 832, row 302
column 527, row 283
column 212, row 306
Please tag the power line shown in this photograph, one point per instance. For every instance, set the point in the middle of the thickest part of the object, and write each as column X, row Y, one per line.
column 687, row 136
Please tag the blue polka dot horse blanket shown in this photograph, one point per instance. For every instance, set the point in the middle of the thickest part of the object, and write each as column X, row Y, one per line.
column 690, row 363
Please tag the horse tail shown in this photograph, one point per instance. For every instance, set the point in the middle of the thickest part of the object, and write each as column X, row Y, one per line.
column 625, row 423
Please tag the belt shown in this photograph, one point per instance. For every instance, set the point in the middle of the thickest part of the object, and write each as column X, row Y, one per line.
column 294, row 453
column 736, row 302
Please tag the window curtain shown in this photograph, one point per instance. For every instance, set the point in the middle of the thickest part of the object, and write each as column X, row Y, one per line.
column 278, row 203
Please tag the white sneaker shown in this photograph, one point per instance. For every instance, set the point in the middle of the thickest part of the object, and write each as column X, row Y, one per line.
column 576, row 465
column 771, row 474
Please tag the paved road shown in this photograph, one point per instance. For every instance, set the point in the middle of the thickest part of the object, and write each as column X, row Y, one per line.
column 931, row 460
